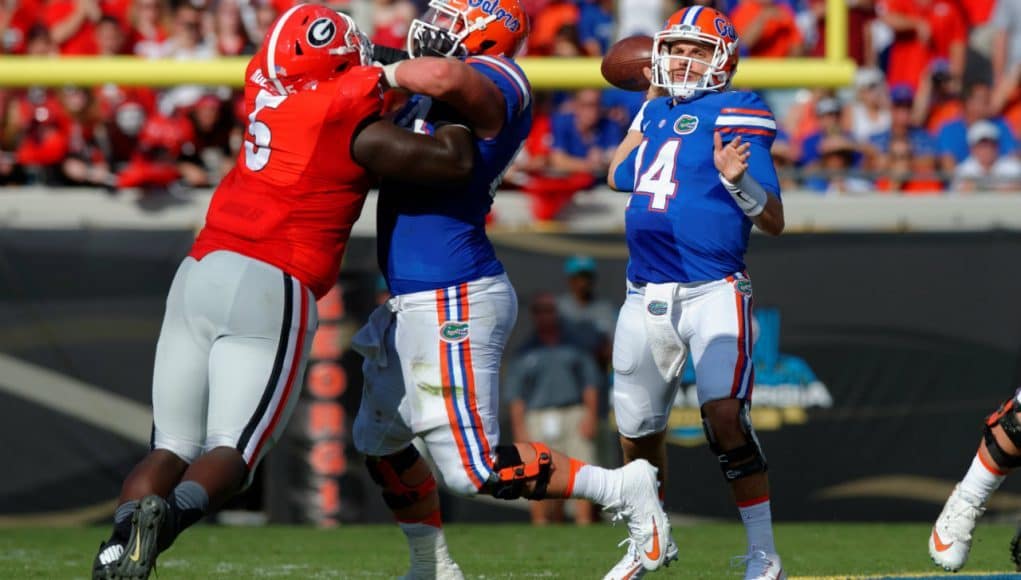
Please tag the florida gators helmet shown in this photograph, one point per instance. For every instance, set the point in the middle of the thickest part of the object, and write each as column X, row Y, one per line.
column 701, row 25
column 463, row 27
column 310, row 42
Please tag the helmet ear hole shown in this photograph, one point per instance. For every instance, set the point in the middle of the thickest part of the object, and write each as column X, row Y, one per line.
column 297, row 49
column 485, row 45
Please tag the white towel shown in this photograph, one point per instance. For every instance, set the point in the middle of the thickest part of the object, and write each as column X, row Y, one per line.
column 368, row 341
column 667, row 347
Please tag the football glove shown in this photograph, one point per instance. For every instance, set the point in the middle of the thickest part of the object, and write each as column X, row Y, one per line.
column 430, row 42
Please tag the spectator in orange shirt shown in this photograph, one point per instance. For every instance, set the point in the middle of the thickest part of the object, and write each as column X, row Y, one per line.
column 923, row 30
column 939, row 98
column 767, row 28
column 949, row 34
column 548, row 23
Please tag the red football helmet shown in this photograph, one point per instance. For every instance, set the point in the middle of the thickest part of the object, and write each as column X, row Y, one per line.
column 310, row 42
column 493, row 27
column 700, row 25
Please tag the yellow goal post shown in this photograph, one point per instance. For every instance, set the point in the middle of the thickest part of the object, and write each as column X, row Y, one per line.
column 833, row 70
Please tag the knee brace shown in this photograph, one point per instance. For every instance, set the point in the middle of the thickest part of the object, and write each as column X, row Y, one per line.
column 511, row 473
column 742, row 461
column 387, row 472
column 1006, row 418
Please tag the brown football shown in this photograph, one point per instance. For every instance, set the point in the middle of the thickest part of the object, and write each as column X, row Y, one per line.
column 623, row 63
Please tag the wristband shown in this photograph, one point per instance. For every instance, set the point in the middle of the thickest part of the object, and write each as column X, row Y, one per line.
column 747, row 193
column 390, row 74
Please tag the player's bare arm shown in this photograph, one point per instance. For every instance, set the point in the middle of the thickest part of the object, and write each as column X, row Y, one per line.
column 390, row 151
column 456, row 83
column 632, row 140
column 763, row 208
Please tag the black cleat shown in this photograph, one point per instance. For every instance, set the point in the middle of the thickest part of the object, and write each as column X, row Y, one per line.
column 108, row 552
column 140, row 553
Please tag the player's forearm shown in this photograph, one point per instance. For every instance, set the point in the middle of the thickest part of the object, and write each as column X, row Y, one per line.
column 453, row 82
column 630, row 142
column 771, row 219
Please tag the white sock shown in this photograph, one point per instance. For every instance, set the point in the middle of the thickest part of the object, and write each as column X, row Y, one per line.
column 597, row 484
column 980, row 481
column 426, row 542
column 758, row 526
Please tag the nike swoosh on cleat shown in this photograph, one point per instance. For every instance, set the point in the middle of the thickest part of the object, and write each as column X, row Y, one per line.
column 137, row 552
column 938, row 543
column 653, row 554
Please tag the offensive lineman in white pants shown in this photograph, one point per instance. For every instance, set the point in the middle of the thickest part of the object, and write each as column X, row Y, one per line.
column 241, row 310
column 432, row 354
column 698, row 163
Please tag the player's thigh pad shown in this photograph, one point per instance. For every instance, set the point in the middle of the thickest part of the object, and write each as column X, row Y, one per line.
column 179, row 387
column 721, row 343
column 257, row 362
column 642, row 400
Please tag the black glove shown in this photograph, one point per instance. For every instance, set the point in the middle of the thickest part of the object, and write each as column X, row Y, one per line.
column 431, row 42
column 387, row 55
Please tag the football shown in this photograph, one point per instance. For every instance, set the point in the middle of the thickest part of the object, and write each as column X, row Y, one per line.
column 622, row 66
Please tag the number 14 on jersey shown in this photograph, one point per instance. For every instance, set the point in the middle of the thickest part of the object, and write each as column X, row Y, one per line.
column 658, row 180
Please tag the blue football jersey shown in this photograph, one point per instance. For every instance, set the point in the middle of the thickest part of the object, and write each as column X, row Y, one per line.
column 681, row 223
column 429, row 239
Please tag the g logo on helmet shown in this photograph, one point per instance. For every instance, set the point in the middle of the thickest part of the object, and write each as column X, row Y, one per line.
column 321, row 32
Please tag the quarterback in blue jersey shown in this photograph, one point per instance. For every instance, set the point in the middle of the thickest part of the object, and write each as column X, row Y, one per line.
column 433, row 351
column 697, row 162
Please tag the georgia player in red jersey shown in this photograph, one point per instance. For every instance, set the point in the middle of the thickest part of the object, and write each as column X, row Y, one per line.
column 240, row 313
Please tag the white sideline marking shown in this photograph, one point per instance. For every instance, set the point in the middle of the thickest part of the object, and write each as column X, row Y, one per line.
column 78, row 399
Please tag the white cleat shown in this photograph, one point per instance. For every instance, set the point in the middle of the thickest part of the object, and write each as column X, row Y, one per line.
column 760, row 565
column 630, row 566
column 431, row 561
column 638, row 503
column 950, row 539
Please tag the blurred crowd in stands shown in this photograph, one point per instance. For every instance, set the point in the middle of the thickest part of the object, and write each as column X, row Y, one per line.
column 935, row 105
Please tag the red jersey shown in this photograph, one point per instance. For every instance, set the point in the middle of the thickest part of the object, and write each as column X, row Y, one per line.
column 295, row 191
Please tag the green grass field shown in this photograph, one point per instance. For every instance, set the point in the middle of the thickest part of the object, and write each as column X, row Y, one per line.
column 500, row 551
